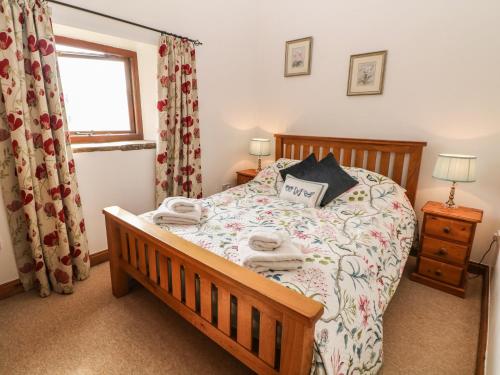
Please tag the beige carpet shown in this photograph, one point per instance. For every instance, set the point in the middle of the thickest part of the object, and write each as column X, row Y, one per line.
column 91, row 332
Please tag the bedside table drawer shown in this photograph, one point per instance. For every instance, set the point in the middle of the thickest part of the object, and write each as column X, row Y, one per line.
column 440, row 271
column 448, row 228
column 446, row 251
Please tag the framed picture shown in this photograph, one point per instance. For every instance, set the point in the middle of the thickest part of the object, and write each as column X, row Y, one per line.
column 298, row 57
column 366, row 74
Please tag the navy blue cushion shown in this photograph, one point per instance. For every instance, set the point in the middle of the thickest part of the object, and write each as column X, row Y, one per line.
column 328, row 170
column 297, row 170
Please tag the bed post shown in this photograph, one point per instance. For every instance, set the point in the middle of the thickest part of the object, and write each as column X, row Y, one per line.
column 119, row 278
column 278, row 147
column 297, row 349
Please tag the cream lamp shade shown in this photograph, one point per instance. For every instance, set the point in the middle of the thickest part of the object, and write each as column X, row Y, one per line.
column 455, row 168
column 260, row 147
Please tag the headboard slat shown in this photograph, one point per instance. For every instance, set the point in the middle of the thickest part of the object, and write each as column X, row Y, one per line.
column 347, row 158
column 372, row 160
column 359, row 158
column 385, row 159
column 397, row 170
column 403, row 167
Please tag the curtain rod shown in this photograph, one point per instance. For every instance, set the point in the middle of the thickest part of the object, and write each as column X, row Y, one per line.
column 195, row 42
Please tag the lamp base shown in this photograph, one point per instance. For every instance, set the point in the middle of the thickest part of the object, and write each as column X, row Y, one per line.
column 451, row 199
column 259, row 165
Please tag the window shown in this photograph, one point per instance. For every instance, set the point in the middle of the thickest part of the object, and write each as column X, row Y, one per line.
column 101, row 91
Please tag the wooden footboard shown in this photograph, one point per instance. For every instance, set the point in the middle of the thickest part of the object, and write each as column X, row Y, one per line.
column 267, row 326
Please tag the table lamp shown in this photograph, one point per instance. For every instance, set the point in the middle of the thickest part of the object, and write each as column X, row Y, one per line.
column 260, row 147
column 455, row 168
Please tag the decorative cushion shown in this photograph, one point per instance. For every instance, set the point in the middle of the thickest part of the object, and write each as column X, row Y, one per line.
column 300, row 168
column 330, row 172
column 300, row 191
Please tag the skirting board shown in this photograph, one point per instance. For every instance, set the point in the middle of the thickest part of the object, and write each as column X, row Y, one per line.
column 14, row 287
column 98, row 258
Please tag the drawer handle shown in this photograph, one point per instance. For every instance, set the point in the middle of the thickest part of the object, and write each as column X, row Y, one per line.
column 438, row 273
column 446, row 230
column 442, row 252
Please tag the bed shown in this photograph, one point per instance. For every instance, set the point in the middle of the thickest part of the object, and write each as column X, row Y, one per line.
column 326, row 317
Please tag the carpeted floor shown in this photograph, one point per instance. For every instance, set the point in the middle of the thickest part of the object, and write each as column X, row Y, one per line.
column 91, row 332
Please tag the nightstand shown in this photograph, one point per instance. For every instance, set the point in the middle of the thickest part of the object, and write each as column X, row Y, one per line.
column 247, row 175
column 445, row 246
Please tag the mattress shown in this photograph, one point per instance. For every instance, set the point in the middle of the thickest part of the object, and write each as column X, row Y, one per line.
column 356, row 248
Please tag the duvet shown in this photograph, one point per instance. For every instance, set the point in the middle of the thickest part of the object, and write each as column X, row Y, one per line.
column 356, row 249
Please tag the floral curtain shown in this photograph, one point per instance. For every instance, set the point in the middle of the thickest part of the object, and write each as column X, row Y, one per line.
column 37, row 170
column 178, row 166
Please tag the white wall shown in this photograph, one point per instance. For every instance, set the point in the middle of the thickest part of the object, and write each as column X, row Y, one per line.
column 440, row 86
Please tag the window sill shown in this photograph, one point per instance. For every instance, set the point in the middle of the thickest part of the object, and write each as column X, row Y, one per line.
column 113, row 146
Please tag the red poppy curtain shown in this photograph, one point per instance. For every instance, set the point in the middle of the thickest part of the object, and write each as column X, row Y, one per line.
column 178, row 153
column 37, row 170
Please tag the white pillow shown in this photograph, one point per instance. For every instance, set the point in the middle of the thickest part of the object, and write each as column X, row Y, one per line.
column 271, row 174
column 301, row 191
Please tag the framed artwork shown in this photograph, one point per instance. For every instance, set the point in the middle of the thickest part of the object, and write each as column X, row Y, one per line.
column 298, row 57
column 366, row 74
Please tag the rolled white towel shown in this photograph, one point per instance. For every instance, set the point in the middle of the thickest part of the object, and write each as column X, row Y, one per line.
column 266, row 240
column 163, row 215
column 180, row 204
column 285, row 258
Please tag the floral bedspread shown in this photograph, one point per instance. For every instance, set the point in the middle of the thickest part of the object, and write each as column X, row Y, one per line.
column 356, row 249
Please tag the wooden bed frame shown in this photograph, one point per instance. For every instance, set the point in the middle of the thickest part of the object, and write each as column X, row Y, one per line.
column 224, row 300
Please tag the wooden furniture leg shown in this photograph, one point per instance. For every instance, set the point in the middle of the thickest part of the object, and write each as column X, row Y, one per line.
column 119, row 278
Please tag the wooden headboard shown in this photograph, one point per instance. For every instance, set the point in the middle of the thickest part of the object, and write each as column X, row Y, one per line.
column 398, row 160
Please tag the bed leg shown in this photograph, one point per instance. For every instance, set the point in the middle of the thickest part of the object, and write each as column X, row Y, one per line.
column 119, row 278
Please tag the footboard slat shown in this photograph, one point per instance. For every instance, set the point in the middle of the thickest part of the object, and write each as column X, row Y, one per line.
column 244, row 331
column 176, row 279
column 141, row 250
column 224, row 309
column 163, row 265
column 153, row 272
column 190, row 290
column 124, row 244
column 206, row 298
column 133, row 251
column 267, row 339
column 240, row 310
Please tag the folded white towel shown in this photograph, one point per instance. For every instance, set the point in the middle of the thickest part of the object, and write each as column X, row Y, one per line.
column 164, row 215
column 266, row 240
column 180, row 204
column 286, row 257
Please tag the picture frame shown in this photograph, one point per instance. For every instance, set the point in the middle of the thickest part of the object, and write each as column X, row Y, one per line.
column 366, row 73
column 298, row 54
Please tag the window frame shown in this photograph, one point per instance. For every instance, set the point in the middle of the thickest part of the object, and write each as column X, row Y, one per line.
column 133, row 92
